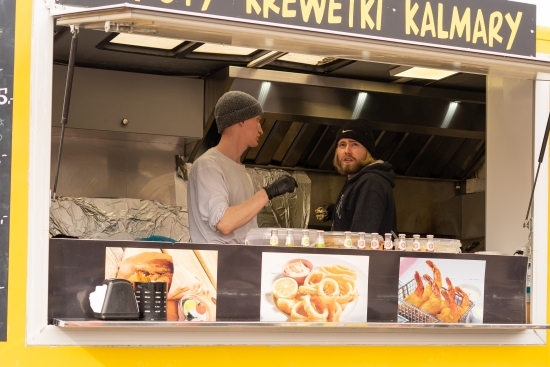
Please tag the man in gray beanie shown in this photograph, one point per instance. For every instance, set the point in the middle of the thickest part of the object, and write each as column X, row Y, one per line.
column 221, row 201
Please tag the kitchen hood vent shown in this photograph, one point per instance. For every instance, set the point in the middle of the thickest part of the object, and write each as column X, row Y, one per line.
column 302, row 115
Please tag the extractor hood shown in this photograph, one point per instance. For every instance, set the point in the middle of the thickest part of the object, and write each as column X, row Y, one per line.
column 424, row 132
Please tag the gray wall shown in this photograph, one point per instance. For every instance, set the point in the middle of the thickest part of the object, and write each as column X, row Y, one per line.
column 153, row 104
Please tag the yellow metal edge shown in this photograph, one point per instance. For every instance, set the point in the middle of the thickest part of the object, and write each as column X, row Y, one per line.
column 543, row 40
column 17, row 265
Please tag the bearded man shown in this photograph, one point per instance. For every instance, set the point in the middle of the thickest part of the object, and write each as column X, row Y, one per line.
column 366, row 202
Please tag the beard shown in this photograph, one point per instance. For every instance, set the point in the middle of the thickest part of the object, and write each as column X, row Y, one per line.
column 348, row 168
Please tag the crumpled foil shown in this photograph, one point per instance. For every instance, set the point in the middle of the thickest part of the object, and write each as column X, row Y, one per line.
column 287, row 211
column 117, row 219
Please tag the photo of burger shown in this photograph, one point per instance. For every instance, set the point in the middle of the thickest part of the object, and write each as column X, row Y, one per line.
column 190, row 277
column 147, row 267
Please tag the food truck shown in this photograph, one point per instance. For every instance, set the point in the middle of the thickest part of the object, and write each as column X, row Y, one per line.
column 104, row 106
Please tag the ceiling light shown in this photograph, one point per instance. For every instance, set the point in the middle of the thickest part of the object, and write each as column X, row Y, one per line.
column 307, row 59
column 449, row 115
column 146, row 41
column 263, row 92
column 361, row 98
column 210, row 48
column 421, row 73
column 265, row 59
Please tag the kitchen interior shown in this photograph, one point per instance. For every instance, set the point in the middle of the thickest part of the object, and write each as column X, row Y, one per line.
column 142, row 109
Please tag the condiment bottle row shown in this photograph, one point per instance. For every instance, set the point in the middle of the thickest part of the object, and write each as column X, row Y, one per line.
column 372, row 241
column 360, row 240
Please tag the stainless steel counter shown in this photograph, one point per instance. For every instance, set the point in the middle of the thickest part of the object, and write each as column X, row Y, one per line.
column 257, row 326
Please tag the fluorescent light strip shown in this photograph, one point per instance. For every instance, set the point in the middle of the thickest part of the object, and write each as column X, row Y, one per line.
column 361, row 98
column 306, row 59
column 139, row 40
column 263, row 92
column 449, row 115
column 210, row 48
column 424, row 73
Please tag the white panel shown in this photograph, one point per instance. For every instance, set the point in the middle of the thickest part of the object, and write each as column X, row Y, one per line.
column 53, row 335
column 39, row 169
column 509, row 162
column 539, row 283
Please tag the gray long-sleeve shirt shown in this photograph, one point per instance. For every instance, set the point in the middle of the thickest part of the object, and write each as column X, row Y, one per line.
column 216, row 182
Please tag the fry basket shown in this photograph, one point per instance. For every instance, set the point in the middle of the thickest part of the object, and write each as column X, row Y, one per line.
column 410, row 313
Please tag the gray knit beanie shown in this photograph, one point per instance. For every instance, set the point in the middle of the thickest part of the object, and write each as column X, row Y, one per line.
column 234, row 107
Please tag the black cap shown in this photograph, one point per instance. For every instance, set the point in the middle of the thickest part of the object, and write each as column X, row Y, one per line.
column 360, row 131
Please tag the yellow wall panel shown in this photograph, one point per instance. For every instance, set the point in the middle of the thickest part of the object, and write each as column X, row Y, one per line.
column 543, row 39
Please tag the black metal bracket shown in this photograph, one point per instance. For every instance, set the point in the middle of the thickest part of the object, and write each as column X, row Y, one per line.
column 528, row 223
column 66, row 101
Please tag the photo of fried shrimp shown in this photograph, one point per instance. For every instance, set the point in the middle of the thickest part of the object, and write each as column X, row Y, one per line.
column 323, row 296
column 427, row 294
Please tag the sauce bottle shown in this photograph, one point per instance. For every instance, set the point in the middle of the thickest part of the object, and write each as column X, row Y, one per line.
column 374, row 243
column 361, row 243
column 305, row 238
column 402, row 243
column 289, row 238
column 274, row 239
column 320, row 239
column 416, row 242
column 388, row 243
column 430, row 246
column 347, row 240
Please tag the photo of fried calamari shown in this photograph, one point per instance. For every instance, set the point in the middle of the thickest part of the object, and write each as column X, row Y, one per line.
column 190, row 277
column 441, row 290
column 314, row 288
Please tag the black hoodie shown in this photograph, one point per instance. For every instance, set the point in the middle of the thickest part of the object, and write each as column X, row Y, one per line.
column 366, row 203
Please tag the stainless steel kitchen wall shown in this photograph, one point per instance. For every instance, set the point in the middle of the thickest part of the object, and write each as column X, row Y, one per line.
column 510, row 116
column 150, row 104
column 116, row 165
column 423, row 206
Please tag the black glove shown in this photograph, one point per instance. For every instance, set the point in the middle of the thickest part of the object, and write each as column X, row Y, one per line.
column 324, row 212
column 281, row 186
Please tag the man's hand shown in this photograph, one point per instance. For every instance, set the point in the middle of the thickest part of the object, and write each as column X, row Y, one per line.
column 281, row 186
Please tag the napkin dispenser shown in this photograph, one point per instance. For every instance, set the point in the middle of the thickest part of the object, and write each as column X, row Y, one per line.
column 119, row 302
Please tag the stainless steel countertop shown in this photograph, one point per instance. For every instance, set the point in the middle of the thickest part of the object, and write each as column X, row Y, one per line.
column 93, row 323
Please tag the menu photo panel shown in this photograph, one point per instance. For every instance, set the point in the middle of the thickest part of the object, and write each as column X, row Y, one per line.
column 191, row 277
column 304, row 287
column 433, row 290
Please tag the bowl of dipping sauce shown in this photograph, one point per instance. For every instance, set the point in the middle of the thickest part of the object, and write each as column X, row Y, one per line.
column 476, row 314
column 473, row 292
column 297, row 269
